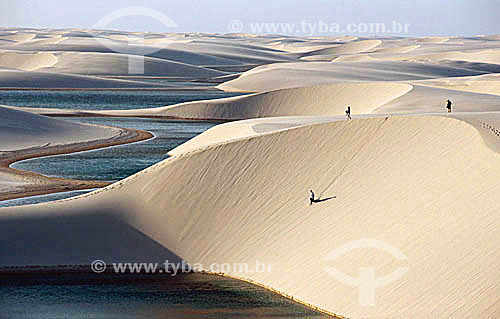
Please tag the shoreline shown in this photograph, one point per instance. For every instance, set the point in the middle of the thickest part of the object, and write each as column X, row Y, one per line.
column 43, row 270
column 38, row 184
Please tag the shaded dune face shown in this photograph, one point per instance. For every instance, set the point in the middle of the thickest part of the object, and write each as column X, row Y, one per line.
column 256, row 209
column 79, row 238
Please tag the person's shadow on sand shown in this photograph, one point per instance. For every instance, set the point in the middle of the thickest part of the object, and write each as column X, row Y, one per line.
column 319, row 200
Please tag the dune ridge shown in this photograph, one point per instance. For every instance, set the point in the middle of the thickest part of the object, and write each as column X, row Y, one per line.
column 317, row 100
column 348, row 149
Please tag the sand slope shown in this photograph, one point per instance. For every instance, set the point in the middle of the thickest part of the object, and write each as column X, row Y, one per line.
column 426, row 183
column 47, row 80
column 20, row 130
column 26, row 61
column 331, row 99
column 409, row 201
column 118, row 64
column 287, row 75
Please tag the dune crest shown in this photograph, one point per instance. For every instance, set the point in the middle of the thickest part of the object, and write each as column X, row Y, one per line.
column 331, row 99
column 274, row 216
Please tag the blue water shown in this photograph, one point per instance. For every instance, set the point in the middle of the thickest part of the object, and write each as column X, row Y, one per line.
column 112, row 163
column 61, row 294
column 115, row 163
column 105, row 100
column 86, row 295
column 42, row 198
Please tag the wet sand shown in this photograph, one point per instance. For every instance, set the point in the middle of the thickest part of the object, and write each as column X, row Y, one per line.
column 37, row 184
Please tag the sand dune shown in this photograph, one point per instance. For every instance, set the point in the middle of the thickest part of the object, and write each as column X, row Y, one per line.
column 347, row 48
column 273, row 222
column 233, row 131
column 26, row 61
column 192, row 52
column 403, row 171
column 353, row 58
column 340, row 50
column 20, row 130
column 47, row 80
column 317, row 100
column 431, row 99
column 51, row 40
column 288, row 75
column 118, row 64
column 433, row 40
column 486, row 56
column 487, row 84
column 18, row 37
column 401, row 49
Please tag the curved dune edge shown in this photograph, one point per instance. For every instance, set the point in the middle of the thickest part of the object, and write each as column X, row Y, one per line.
column 18, row 37
column 329, row 99
column 34, row 184
column 491, row 56
column 289, row 75
column 93, row 63
column 403, row 49
column 247, row 128
column 273, row 222
column 347, row 48
column 26, row 61
column 483, row 84
column 433, row 39
column 41, row 80
column 25, row 135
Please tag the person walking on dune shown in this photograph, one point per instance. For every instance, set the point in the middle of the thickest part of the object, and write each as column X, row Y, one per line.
column 448, row 106
column 311, row 197
column 348, row 112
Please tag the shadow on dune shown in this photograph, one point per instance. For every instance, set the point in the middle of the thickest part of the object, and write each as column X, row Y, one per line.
column 319, row 200
column 77, row 238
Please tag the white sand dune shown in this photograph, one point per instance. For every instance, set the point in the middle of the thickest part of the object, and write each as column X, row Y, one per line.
column 26, row 61
column 51, row 40
column 487, row 84
column 347, row 48
column 19, row 130
column 409, row 200
column 47, row 80
column 23, row 130
column 18, row 37
column 318, row 100
column 118, row 64
column 433, row 40
column 402, row 172
column 352, row 58
column 432, row 99
column 341, row 50
column 486, row 56
column 401, row 49
column 288, row 75
column 192, row 52
column 233, row 131
column 161, row 52
column 10, row 182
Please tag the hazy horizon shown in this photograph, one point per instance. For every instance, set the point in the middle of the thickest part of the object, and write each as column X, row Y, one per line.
column 426, row 18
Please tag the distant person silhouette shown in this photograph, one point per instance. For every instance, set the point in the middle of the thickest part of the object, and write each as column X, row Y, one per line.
column 348, row 112
column 311, row 197
column 448, row 106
